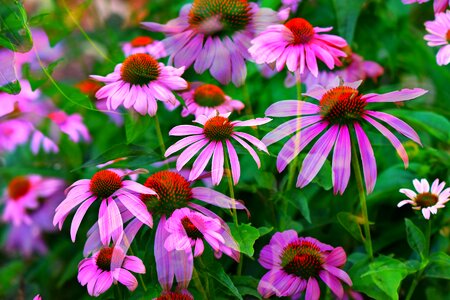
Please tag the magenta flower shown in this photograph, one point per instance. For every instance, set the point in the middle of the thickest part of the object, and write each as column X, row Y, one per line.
column 217, row 132
column 426, row 199
column 438, row 5
column 341, row 107
column 439, row 30
column 215, row 35
column 144, row 44
column 296, row 264
column 138, row 82
column 297, row 44
column 72, row 125
column 39, row 140
column 99, row 273
column 110, row 188
column 204, row 99
column 13, row 133
column 188, row 229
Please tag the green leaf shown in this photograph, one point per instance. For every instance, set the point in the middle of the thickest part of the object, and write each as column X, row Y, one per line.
column 379, row 279
column 264, row 230
column 436, row 125
column 439, row 266
column 10, row 275
column 247, row 285
column 136, row 126
column 347, row 13
column 216, row 271
column 14, row 32
column 323, row 178
column 245, row 235
column 351, row 224
column 38, row 78
column 415, row 237
column 301, row 202
column 37, row 20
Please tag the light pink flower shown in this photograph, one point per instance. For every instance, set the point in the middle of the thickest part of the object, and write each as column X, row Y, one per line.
column 19, row 102
column 296, row 264
column 217, row 132
column 138, row 82
column 298, row 45
column 438, row 5
column 144, row 44
column 99, row 273
column 110, row 188
column 188, row 229
column 204, row 99
column 215, row 35
column 340, row 108
column 39, row 140
column 427, row 200
column 439, row 30
column 13, row 133
column 72, row 125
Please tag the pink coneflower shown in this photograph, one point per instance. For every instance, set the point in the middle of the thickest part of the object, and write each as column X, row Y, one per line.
column 13, row 133
column 175, row 296
column 138, row 82
column 438, row 5
column 217, row 132
column 341, row 107
column 39, row 140
column 19, row 102
column 439, row 30
column 144, row 44
column 356, row 68
column 296, row 264
column 426, row 199
column 99, row 273
column 72, row 125
column 215, row 35
column 204, row 99
column 188, row 229
column 297, row 44
column 110, row 188
column 291, row 4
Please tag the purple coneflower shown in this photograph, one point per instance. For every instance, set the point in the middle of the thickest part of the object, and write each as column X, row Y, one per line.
column 296, row 264
column 138, row 82
column 297, row 44
column 439, row 30
column 144, row 44
column 341, row 108
column 72, row 125
column 215, row 35
column 438, row 5
column 217, row 132
column 427, row 200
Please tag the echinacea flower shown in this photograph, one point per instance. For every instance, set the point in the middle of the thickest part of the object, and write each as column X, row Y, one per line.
column 298, row 45
column 138, row 82
column 109, row 187
column 439, row 30
column 38, row 140
column 175, row 296
column 99, row 273
column 72, row 125
column 215, row 35
column 438, row 5
column 291, row 4
column 340, row 108
column 144, row 44
column 297, row 263
column 188, row 229
column 13, row 133
column 427, row 200
column 203, row 99
column 217, row 132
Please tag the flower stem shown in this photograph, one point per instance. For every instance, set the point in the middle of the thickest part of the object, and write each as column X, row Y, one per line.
column 231, row 189
column 159, row 134
column 418, row 276
column 248, row 103
column 139, row 275
column 198, row 284
column 118, row 291
column 362, row 198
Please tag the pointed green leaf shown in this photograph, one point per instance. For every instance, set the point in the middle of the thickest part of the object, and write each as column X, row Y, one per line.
column 415, row 237
column 351, row 224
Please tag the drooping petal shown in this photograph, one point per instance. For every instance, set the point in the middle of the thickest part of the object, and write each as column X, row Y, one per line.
column 78, row 217
column 288, row 108
column 234, row 162
column 333, row 283
column 217, row 164
column 288, row 128
column 164, row 265
column 250, row 150
column 181, row 130
column 341, row 161
column 312, row 289
column 127, row 279
column 136, row 207
column 367, row 158
column 184, row 142
column 189, row 152
column 201, row 161
column 215, row 198
column 397, row 96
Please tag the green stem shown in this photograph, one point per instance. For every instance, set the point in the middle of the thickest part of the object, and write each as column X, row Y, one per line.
column 139, row 275
column 248, row 103
column 118, row 291
column 362, row 198
column 159, row 135
column 231, row 189
column 198, row 284
column 418, row 276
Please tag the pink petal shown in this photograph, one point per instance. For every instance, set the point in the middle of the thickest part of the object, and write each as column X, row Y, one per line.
column 252, row 140
column 164, row 266
column 234, row 162
column 217, row 164
column 288, row 108
column 201, row 161
column 311, row 61
column 397, row 96
column 336, row 257
column 341, row 274
column 249, row 149
column 333, row 283
column 136, row 207
column 215, row 198
column 127, row 279
column 103, row 283
column 341, row 161
column 184, row 142
column 78, row 217
column 312, row 289
column 189, row 152
column 181, row 130
column 252, row 122
column 367, row 157
column 288, row 128
column 133, row 264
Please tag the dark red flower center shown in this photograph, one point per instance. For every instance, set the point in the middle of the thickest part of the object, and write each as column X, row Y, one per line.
column 104, row 258
column 190, row 229
column 448, row 36
column 209, row 95
column 18, row 187
column 342, row 105
column 302, row 258
column 141, row 41
column 139, row 69
column 174, row 192
column 174, row 296
column 219, row 16
column 302, row 30
column 58, row 117
column 426, row 199
column 89, row 87
column 218, row 128
column 104, row 183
